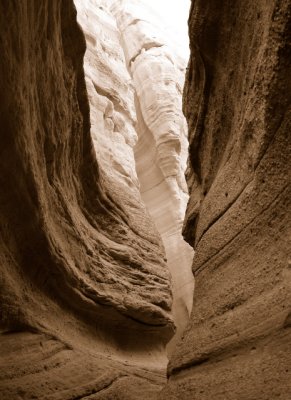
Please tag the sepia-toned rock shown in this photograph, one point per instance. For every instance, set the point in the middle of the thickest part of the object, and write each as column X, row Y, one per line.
column 237, row 103
column 84, row 282
column 158, row 73
column 96, row 281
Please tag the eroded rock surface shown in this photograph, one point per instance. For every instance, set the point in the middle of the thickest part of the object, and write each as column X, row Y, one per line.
column 111, row 94
column 84, row 286
column 237, row 102
column 158, row 76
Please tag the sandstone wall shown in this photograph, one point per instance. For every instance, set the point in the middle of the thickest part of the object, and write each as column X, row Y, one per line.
column 237, row 103
column 111, row 94
column 84, row 287
column 158, row 77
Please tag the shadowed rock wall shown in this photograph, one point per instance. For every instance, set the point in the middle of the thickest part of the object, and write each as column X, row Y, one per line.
column 237, row 103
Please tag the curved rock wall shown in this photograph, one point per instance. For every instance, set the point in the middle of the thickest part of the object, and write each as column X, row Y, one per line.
column 161, row 152
column 237, row 103
column 84, row 287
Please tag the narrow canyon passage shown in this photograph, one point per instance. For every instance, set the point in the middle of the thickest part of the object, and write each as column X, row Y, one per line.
column 96, row 280
column 135, row 76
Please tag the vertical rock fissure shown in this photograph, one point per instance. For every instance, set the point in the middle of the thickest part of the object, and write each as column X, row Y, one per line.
column 157, row 74
column 134, row 78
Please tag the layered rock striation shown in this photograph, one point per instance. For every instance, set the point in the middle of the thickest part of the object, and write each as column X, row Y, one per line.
column 237, row 103
column 158, row 76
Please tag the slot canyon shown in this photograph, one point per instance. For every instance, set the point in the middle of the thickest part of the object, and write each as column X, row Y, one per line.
column 145, row 201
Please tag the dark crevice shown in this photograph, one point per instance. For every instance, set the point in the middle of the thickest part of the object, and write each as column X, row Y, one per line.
column 146, row 47
column 188, row 365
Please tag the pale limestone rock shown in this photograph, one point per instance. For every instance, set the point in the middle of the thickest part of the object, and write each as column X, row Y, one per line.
column 158, row 75
column 111, row 93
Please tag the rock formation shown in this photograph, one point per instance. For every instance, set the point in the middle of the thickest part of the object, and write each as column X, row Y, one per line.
column 161, row 152
column 237, row 103
column 118, row 120
column 111, row 95
column 85, row 291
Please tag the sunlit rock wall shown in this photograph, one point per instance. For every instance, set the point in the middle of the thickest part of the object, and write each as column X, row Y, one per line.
column 84, row 287
column 111, row 94
column 237, row 102
column 158, row 77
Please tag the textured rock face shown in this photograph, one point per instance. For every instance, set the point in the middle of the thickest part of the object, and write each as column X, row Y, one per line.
column 158, row 77
column 111, row 94
column 237, row 102
column 84, row 282
column 118, row 119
